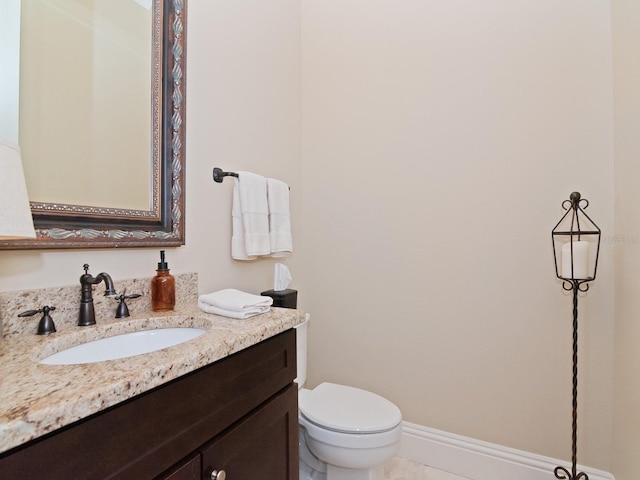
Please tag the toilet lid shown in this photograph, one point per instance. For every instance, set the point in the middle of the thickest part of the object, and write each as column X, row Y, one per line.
column 349, row 409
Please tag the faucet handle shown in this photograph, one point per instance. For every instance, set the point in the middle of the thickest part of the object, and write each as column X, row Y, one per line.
column 46, row 325
column 31, row 313
column 123, row 311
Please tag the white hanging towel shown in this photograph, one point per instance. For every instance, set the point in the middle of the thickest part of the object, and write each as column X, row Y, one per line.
column 238, row 249
column 250, row 212
column 279, row 218
column 234, row 303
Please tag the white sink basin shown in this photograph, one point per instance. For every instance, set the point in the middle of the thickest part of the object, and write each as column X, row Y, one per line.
column 122, row 346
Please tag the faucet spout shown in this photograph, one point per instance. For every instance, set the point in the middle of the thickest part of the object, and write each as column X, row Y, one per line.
column 109, row 291
column 87, row 315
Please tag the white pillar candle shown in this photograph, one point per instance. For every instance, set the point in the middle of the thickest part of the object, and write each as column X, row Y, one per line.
column 580, row 260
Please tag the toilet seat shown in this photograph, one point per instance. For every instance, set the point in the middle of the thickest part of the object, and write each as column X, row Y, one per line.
column 350, row 441
column 348, row 410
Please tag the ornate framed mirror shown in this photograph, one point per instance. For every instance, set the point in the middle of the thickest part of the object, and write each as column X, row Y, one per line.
column 147, row 211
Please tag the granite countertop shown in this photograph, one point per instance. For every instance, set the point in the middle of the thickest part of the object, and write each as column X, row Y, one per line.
column 36, row 399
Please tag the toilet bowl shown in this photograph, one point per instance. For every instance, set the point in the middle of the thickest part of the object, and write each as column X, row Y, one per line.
column 346, row 433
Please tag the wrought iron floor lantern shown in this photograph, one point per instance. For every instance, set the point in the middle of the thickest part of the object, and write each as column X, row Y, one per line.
column 576, row 245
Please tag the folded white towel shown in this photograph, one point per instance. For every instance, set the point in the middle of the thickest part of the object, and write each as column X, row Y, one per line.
column 280, row 238
column 252, row 198
column 235, row 300
column 231, row 313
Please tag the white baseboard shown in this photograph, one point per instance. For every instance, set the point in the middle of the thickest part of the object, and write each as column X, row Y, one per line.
column 478, row 460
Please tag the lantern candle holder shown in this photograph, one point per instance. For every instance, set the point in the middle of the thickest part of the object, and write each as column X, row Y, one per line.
column 576, row 246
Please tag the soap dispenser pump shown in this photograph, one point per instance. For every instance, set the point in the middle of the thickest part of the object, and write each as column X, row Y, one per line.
column 163, row 287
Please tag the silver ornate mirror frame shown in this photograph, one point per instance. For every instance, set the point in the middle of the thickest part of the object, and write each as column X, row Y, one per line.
column 78, row 226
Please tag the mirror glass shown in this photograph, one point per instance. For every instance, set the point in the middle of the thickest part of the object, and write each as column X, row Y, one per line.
column 100, row 99
column 82, row 63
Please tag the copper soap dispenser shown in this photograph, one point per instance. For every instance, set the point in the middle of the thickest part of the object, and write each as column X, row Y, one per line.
column 163, row 288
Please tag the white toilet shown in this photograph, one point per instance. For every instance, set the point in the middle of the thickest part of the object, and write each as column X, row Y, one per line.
column 345, row 433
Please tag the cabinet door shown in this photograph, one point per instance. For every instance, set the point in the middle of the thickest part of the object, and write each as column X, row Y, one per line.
column 262, row 445
column 188, row 469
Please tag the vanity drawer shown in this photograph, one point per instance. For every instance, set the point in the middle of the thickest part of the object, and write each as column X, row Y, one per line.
column 144, row 436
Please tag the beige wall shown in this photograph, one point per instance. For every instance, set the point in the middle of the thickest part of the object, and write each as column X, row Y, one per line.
column 626, row 15
column 439, row 140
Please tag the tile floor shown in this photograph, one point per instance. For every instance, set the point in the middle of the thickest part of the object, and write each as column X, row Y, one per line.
column 402, row 469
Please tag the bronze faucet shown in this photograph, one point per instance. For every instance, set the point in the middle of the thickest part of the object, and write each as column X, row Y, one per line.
column 87, row 314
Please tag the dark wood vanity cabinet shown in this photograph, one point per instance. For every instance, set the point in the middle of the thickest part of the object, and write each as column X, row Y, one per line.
column 238, row 415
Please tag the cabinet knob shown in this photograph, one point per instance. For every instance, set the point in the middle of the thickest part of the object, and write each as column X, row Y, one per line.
column 218, row 475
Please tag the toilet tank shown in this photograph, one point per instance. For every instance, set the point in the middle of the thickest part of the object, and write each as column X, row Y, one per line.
column 301, row 350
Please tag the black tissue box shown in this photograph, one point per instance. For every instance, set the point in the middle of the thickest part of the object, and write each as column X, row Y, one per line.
column 282, row 298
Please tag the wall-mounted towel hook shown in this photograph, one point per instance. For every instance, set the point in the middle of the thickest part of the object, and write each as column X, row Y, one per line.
column 218, row 175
